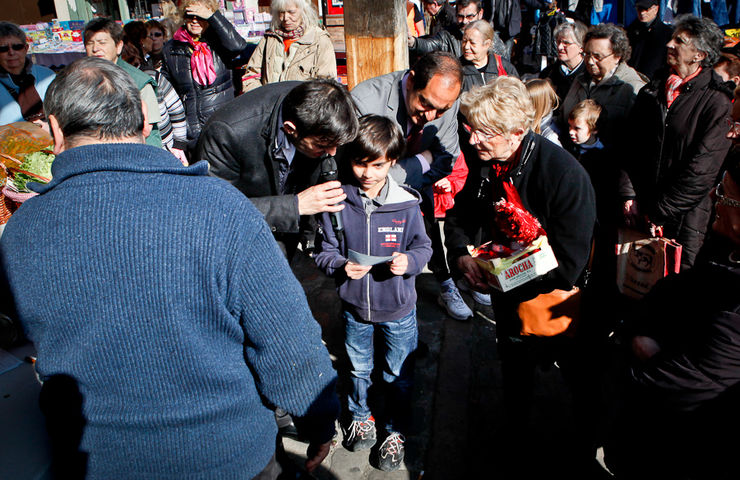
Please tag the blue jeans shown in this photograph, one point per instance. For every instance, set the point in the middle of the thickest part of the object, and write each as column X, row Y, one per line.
column 400, row 340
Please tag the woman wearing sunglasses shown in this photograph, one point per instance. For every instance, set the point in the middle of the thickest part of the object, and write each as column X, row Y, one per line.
column 157, row 35
column 197, row 61
column 23, row 83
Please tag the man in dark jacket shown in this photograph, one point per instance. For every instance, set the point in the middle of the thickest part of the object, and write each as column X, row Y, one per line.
column 506, row 18
column 438, row 15
column 450, row 38
column 269, row 144
column 648, row 36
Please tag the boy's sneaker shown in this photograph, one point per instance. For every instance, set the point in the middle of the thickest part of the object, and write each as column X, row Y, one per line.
column 450, row 299
column 479, row 298
column 391, row 452
column 360, row 435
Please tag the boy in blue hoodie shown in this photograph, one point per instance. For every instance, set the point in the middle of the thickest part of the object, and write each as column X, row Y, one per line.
column 381, row 219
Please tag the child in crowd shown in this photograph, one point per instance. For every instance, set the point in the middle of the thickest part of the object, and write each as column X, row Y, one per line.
column 582, row 122
column 381, row 219
column 589, row 151
column 606, row 176
column 545, row 101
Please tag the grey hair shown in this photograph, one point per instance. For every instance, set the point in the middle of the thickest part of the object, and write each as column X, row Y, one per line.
column 705, row 35
column 308, row 14
column 93, row 97
column 617, row 37
column 483, row 26
column 8, row 29
column 577, row 30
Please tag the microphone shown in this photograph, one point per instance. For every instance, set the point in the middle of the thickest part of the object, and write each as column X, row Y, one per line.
column 329, row 172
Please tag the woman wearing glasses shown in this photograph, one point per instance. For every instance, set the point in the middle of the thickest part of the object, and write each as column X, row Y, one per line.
column 680, row 122
column 569, row 38
column 607, row 79
column 554, row 188
column 197, row 61
column 157, row 35
column 23, row 83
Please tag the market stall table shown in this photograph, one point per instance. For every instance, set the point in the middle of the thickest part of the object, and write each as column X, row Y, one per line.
column 58, row 57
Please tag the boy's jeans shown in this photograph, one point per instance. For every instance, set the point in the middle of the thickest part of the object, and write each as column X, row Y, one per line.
column 400, row 339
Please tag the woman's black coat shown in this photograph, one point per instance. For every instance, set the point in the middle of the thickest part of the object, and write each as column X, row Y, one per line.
column 201, row 101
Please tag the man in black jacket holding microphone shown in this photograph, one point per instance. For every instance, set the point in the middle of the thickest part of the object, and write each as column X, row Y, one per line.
column 270, row 143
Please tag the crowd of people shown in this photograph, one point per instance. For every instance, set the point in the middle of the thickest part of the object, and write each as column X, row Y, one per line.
column 182, row 191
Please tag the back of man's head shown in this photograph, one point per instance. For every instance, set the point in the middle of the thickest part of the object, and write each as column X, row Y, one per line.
column 97, row 99
column 322, row 108
column 436, row 63
column 102, row 24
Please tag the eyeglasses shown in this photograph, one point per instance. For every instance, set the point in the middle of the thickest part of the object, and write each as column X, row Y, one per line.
column 565, row 43
column 469, row 16
column 155, row 34
column 482, row 136
column 16, row 46
column 596, row 56
column 722, row 199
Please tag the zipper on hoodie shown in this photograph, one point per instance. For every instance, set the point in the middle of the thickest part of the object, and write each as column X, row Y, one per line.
column 367, row 280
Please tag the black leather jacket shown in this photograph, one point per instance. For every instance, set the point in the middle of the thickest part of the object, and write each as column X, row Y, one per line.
column 450, row 40
column 201, row 101
column 472, row 76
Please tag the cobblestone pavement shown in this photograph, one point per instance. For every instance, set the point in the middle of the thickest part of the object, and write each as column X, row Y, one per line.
column 458, row 412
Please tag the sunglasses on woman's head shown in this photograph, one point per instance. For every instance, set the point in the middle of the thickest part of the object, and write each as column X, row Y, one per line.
column 16, row 46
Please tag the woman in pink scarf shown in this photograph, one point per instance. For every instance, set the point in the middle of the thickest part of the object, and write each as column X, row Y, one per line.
column 198, row 61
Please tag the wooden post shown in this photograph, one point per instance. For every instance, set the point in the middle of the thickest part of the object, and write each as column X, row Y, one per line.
column 375, row 36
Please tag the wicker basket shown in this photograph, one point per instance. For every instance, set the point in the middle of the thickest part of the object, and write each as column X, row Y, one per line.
column 7, row 207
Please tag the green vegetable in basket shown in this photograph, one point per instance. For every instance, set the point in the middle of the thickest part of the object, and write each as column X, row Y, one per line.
column 36, row 167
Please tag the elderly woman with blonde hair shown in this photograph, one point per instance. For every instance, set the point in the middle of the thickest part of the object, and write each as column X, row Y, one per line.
column 552, row 186
column 295, row 48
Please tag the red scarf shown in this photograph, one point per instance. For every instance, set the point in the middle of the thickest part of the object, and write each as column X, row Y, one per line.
column 201, row 61
column 673, row 86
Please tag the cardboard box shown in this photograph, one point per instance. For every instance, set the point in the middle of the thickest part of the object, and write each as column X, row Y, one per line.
column 510, row 272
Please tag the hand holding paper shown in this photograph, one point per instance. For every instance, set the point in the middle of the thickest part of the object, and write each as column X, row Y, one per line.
column 355, row 271
column 399, row 264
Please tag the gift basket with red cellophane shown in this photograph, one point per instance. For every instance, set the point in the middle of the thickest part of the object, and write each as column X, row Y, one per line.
column 524, row 255
column 25, row 156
